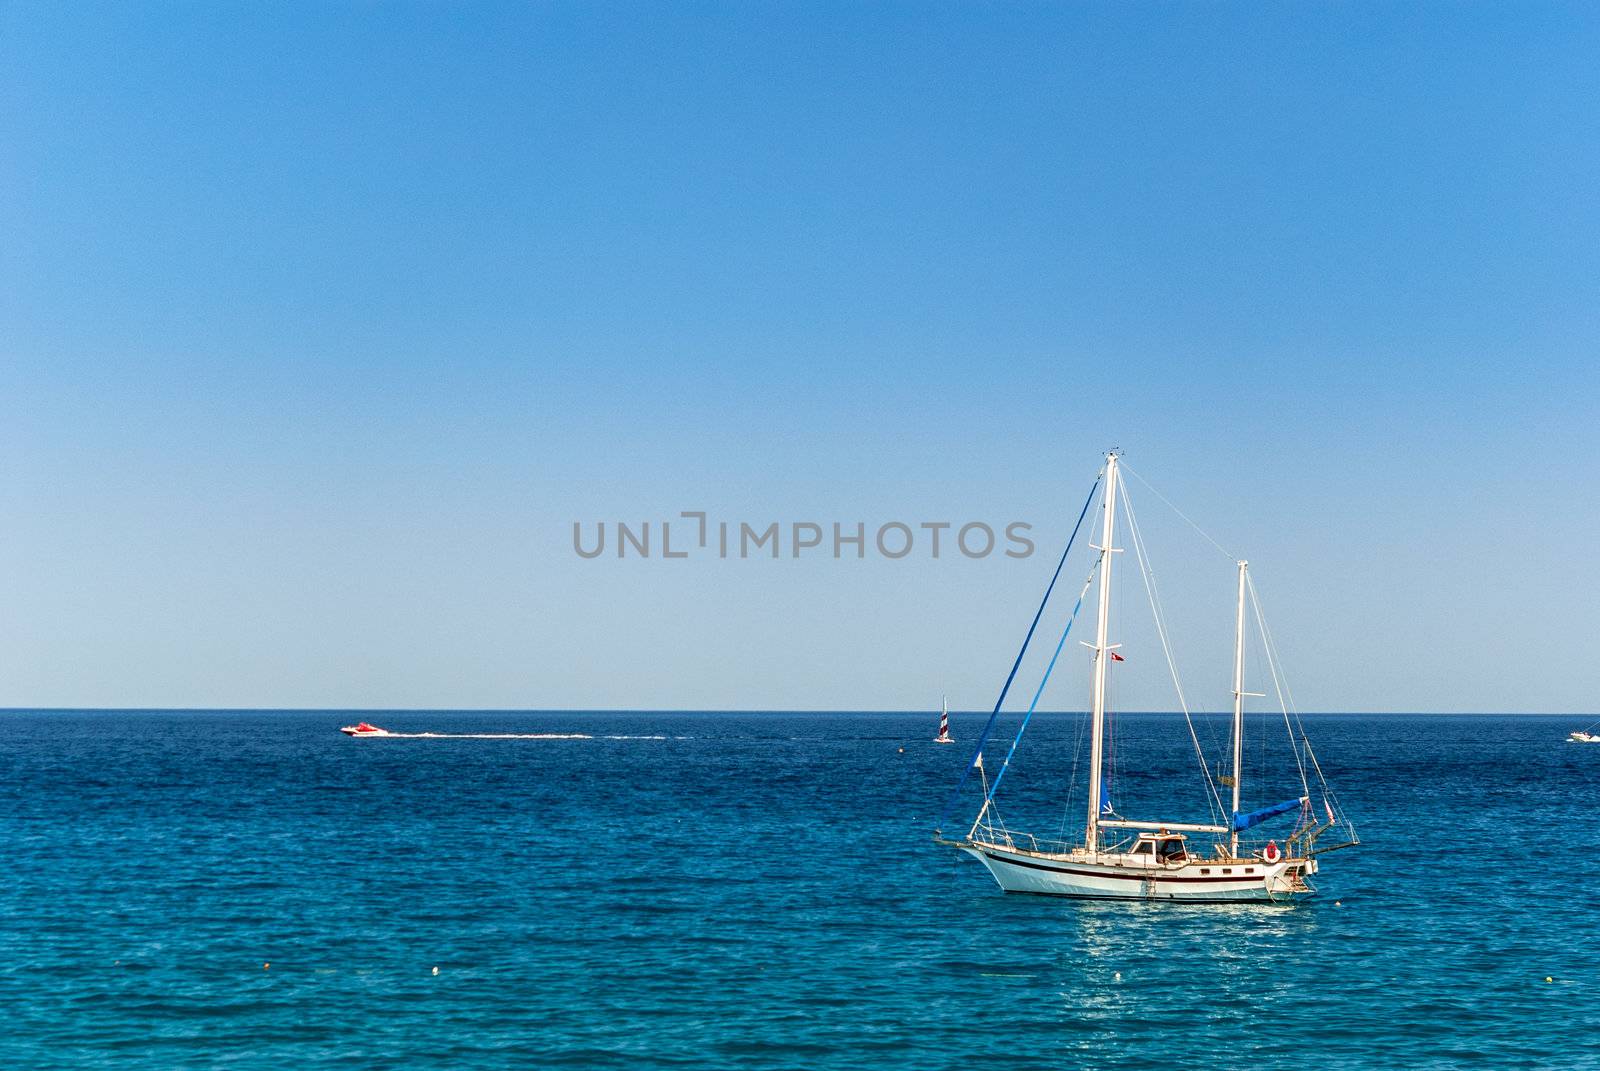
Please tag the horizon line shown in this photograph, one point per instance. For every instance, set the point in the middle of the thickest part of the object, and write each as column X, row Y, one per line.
column 745, row 710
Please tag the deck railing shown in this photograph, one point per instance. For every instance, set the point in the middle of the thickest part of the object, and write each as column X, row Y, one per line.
column 1017, row 841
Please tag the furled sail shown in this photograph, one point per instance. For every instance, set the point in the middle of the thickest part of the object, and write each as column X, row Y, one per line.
column 1254, row 818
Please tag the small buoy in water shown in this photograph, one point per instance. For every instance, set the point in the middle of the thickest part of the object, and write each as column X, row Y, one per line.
column 1338, row 903
column 436, row 970
column 902, row 751
column 1548, row 978
column 266, row 966
column 1117, row 976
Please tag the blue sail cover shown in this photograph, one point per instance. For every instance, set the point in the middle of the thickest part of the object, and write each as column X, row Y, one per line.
column 1255, row 818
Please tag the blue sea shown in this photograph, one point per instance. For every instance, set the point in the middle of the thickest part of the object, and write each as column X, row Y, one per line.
column 724, row 890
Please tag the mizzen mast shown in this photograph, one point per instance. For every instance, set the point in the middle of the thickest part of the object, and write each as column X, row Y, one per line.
column 1238, row 713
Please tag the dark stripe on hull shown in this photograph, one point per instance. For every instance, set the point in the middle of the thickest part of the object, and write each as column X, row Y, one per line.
column 1281, row 898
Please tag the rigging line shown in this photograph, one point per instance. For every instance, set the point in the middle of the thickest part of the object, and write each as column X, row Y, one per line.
column 983, row 737
column 1277, row 685
column 1072, row 779
column 1114, row 732
column 1203, row 533
column 1148, row 575
column 1277, row 662
column 1328, row 793
column 1039, row 691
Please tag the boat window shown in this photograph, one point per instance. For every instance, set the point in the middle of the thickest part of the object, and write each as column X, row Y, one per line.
column 1170, row 850
column 1227, row 870
column 1205, row 870
column 1143, row 848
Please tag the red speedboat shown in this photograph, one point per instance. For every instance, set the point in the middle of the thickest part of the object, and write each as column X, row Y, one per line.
column 363, row 729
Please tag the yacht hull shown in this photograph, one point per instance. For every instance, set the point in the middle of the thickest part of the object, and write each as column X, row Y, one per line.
column 1197, row 881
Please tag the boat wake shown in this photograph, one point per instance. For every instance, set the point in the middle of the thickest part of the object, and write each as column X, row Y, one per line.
column 487, row 736
column 390, row 735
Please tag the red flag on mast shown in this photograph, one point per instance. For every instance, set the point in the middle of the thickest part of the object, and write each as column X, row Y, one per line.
column 1115, row 657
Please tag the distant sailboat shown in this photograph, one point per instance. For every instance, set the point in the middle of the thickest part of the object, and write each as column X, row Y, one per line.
column 1126, row 859
column 944, row 736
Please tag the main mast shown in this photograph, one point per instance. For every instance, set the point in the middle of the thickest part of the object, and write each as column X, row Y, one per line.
column 1102, row 650
column 1238, row 712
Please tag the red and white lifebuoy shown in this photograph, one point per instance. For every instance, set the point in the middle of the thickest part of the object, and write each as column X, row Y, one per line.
column 1270, row 854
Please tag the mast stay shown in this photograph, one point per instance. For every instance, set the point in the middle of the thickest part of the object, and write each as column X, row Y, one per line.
column 1300, row 741
column 988, row 798
column 983, row 737
column 1148, row 574
column 1297, row 731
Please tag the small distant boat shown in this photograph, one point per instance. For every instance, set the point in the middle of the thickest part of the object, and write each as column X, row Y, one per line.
column 364, row 729
column 944, row 736
column 1583, row 737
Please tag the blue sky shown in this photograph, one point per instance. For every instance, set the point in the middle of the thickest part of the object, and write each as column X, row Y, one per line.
column 320, row 325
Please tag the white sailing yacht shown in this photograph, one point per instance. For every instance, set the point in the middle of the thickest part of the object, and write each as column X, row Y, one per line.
column 1133, row 859
column 944, row 736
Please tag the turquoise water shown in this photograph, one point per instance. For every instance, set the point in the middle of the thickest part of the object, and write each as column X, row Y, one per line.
column 755, row 890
